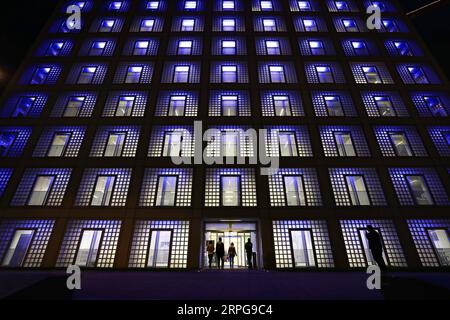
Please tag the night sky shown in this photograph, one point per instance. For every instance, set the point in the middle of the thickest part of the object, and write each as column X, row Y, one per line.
column 21, row 22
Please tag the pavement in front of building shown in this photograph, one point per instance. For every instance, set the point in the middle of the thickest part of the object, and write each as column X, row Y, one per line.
column 222, row 285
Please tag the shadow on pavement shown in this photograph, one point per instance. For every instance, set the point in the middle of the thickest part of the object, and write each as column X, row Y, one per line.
column 403, row 288
column 52, row 288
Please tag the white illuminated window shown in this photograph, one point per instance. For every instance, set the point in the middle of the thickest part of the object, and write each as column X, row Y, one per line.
column 228, row 47
column 287, row 144
column 273, row 47
column 153, row 5
column 294, row 191
column 184, row 47
column 187, row 25
column 125, row 106
column 106, row 25
column 230, row 186
column 440, row 240
column 159, row 250
column 266, row 5
column 229, row 74
column 419, row 190
column 141, row 48
column 74, row 106
column 89, row 248
column 230, row 144
column 229, row 105
column 228, row 4
column 228, row 25
column 147, row 25
column 310, row 25
column 167, row 189
column 181, row 74
column 334, row 106
column 190, row 5
column 269, row 25
column 114, row 145
column 103, row 191
column 177, row 105
column 133, row 75
column 277, row 74
column 172, row 144
column 357, row 190
column 371, row 74
column 400, row 143
column 304, row 5
column 97, row 48
column 384, row 105
column 282, row 106
column 87, row 75
column 58, row 145
column 344, row 144
column 18, row 248
column 325, row 74
column 303, row 248
column 41, row 190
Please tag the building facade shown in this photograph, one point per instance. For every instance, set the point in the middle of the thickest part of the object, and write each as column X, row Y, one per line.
column 358, row 120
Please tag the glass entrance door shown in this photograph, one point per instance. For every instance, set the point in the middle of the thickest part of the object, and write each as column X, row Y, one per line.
column 236, row 233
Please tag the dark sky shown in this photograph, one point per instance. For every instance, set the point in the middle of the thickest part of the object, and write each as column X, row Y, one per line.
column 21, row 21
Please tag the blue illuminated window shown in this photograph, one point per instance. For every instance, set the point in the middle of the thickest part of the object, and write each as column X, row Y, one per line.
column 228, row 5
column 317, row 47
column 140, row 48
column 152, row 5
column 304, row 5
column 177, row 106
column 40, row 75
column 371, row 74
column 230, row 190
column 133, row 74
column 310, row 25
column 341, row 6
column 190, row 5
column 229, row 105
column 273, row 47
column 266, row 5
column 269, row 24
column 54, row 49
column 390, row 25
column 359, row 48
column 115, row 5
column 350, row 25
column 181, row 74
column 229, row 74
column 106, row 25
column 435, row 105
column 281, row 105
column 228, row 47
column 6, row 142
column 384, row 106
column 125, row 106
column 184, row 47
column 334, row 106
column 97, row 48
column 228, row 24
column 86, row 75
column 74, row 106
column 324, row 74
column 277, row 74
column 418, row 74
column 23, row 106
column 446, row 135
column 147, row 25
column 187, row 24
column 403, row 48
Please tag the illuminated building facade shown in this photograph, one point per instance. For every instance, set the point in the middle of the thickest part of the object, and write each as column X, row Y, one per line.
column 358, row 119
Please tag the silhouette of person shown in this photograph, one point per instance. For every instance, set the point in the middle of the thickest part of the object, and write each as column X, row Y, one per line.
column 249, row 251
column 231, row 254
column 210, row 250
column 376, row 247
column 220, row 253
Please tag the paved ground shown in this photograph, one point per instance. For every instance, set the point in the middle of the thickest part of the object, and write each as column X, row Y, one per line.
column 222, row 285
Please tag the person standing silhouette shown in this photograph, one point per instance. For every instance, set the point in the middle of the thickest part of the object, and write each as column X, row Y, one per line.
column 376, row 247
column 231, row 254
column 210, row 250
column 220, row 253
column 249, row 251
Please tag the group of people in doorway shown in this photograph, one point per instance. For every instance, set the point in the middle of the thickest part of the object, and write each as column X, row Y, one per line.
column 373, row 239
column 219, row 252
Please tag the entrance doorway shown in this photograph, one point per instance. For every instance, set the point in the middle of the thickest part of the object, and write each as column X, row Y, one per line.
column 232, row 232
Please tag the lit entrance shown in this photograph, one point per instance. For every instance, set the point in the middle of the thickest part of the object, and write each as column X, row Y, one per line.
column 236, row 232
